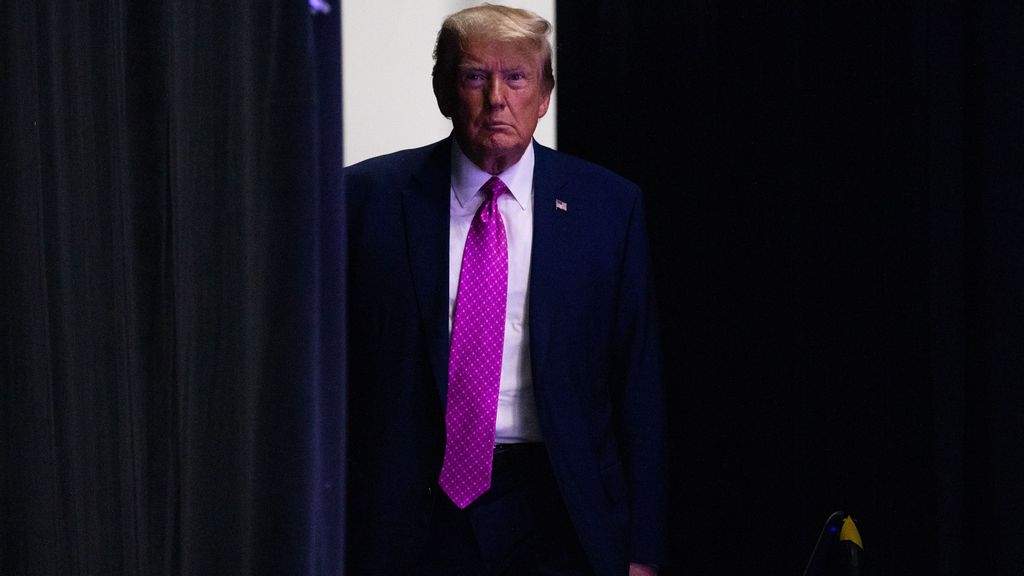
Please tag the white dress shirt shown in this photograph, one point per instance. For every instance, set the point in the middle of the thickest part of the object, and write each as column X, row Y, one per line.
column 517, row 411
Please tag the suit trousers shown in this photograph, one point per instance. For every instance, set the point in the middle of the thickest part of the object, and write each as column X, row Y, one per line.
column 519, row 527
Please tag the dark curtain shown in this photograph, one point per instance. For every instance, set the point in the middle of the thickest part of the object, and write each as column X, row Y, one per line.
column 838, row 225
column 170, row 247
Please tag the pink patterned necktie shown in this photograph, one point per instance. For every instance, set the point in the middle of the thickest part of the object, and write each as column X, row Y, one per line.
column 474, row 365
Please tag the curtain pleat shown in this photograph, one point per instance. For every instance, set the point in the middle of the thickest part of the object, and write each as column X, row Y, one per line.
column 172, row 366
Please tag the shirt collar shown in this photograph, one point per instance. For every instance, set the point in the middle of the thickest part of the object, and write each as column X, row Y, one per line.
column 468, row 178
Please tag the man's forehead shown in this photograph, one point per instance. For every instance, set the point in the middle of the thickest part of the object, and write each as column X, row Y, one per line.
column 481, row 52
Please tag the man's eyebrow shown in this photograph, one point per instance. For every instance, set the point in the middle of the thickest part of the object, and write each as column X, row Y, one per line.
column 466, row 67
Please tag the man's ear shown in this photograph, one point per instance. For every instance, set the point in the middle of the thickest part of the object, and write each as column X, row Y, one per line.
column 444, row 97
column 544, row 102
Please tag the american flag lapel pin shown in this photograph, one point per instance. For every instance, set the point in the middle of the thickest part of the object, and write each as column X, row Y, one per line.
column 559, row 205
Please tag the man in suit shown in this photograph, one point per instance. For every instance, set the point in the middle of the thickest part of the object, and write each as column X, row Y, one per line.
column 505, row 397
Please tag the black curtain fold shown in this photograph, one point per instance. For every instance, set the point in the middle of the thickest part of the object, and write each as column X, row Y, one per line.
column 172, row 358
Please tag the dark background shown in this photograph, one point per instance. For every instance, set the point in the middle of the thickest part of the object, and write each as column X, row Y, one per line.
column 834, row 192
column 835, row 202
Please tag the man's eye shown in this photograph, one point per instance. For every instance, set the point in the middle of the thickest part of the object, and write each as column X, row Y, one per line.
column 474, row 76
column 517, row 76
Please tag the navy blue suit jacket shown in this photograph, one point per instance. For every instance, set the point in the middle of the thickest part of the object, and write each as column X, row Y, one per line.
column 594, row 349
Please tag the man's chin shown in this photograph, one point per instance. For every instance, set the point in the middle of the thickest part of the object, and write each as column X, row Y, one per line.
column 501, row 145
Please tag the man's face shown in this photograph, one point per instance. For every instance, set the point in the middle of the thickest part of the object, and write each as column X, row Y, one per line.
column 499, row 97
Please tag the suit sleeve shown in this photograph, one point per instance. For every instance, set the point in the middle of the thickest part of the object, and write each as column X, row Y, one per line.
column 640, row 407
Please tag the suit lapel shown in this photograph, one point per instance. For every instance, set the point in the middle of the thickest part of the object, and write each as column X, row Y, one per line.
column 547, row 261
column 425, row 205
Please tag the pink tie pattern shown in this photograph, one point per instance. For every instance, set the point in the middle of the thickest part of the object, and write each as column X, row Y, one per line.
column 474, row 365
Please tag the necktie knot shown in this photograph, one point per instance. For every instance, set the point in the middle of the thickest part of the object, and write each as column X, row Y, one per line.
column 492, row 189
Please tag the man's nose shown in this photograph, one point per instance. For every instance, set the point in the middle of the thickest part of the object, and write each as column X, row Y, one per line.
column 495, row 93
